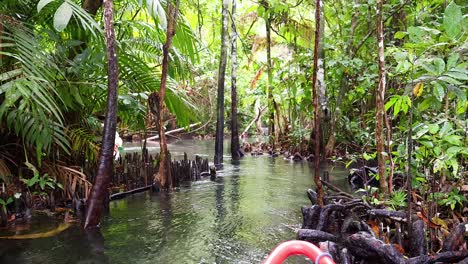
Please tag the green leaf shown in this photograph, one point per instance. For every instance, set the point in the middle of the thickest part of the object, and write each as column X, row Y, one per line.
column 421, row 132
column 157, row 11
column 440, row 65
column 427, row 144
column 400, row 35
column 452, row 20
column 43, row 3
column 33, row 180
column 396, row 108
column 433, row 128
column 367, row 156
column 439, row 91
column 458, row 75
column 454, row 150
column 62, row 16
column 42, row 184
column 390, row 102
column 453, row 139
column 449, row 80
column 452, row 60
column 447, row 127
column 415, row 34
column 428, row 102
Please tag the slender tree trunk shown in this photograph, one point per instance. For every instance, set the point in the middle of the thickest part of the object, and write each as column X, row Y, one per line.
column 99, row 193
column 235, row 146
column 200, row 19
column 315, row 100
column 164, row 177
column 389, row 152
column 271, row 107
column 218, row 158
column 321, row 85
column 380, row 97
column 1, row 33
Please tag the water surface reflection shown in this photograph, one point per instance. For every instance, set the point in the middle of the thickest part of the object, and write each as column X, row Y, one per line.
column 252, row 206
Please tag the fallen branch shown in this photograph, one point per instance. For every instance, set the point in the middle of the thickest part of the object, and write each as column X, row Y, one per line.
column 444, row 257
column 394, row 215
column 336, row 189
column 121, row 195
column 153, row 138
column 259, row 114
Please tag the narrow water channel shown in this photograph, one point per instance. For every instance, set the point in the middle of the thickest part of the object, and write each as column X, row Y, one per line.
column 251, row 207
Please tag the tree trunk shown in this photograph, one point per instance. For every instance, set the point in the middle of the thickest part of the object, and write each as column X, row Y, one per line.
column 235, row 145
column 380, row 97
column 99, row 193
column 321, row 85
column 218, row 158
column 315, row 100
column 164, row 177
column 271, row 107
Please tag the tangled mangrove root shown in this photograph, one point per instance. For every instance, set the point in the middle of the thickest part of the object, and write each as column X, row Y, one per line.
column 352, row 231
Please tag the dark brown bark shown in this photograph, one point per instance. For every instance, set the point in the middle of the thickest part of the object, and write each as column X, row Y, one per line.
column 456, row 238
column 218, row 158
column 99, row 194
column 92, row 6
column 418, row 242
column 310, row 216
column 235, row 145
column 365, row 246
column 380, row 102
column 315, row 100
column 164, row 177
column 315, row 236
column 327, row 210
column 444, row 257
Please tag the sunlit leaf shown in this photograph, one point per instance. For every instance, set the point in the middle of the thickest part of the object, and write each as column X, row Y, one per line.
column 452, row 20
column 42, row 4
column 458, row 75
column 62, row 16
column 439, row 91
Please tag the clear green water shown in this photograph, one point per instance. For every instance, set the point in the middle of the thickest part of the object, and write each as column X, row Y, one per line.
column 252, row 206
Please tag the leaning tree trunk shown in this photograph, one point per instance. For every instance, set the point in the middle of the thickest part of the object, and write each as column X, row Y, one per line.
column 380, row 97
column 218, row 158
column 164, row 178
column 99, row 193
column 315, row 100
column 235, row 146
